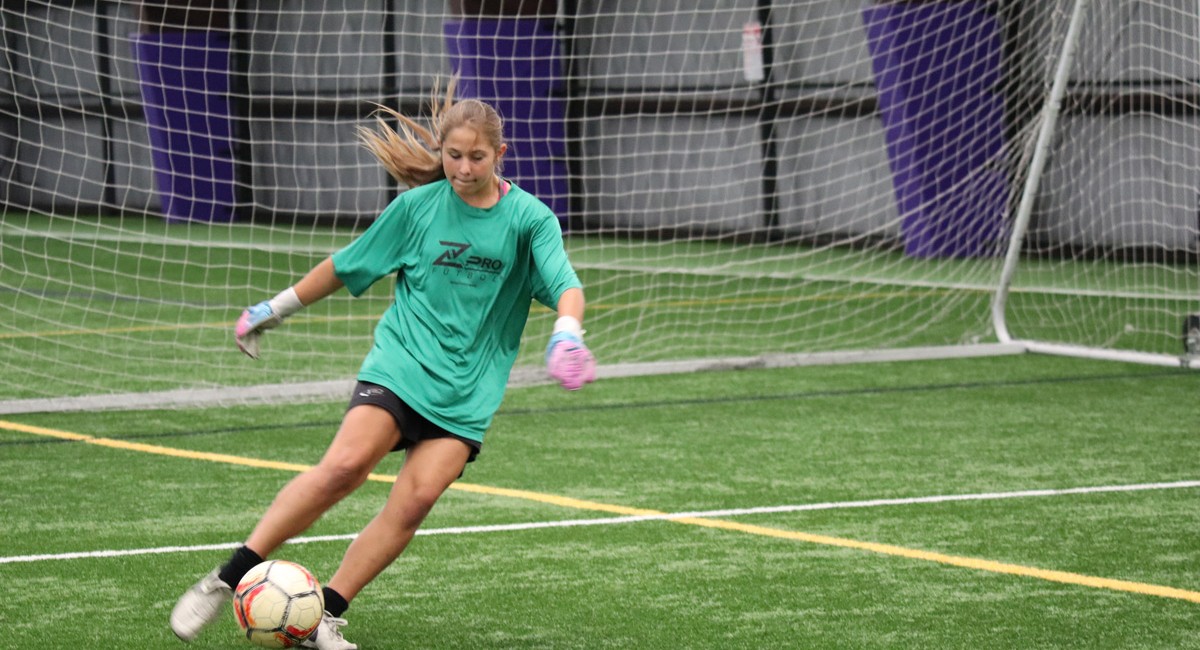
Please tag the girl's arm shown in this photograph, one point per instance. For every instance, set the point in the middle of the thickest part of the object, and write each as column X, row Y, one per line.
column 315, row 285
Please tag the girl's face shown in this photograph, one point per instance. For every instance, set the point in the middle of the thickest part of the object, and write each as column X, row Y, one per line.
column 469, row 161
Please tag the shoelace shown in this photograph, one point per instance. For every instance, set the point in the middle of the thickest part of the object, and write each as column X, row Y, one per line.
column 334, row 623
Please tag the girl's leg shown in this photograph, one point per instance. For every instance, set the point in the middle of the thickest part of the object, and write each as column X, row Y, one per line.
column 367, row 434
column 430, row 466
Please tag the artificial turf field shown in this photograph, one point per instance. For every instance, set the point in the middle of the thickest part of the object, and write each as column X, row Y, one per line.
column 1006, row 502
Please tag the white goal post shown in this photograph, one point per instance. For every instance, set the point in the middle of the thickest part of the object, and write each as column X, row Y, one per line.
column 742, row 183
column 1190, row 327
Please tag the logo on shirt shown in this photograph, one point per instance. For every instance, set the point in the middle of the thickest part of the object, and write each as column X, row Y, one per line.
column 453, row 257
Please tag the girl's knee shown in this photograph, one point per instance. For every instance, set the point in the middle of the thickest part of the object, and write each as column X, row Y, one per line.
column 342, row 475
column 412, row 503
column 424, row 497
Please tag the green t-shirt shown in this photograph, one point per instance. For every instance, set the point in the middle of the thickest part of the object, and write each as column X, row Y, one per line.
column 465, row 278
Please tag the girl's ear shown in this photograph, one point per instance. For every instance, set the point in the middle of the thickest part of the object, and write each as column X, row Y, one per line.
column 500, row 152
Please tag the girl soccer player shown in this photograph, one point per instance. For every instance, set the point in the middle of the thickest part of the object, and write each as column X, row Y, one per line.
column 469, row 250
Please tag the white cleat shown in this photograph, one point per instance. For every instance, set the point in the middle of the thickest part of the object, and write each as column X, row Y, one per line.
column 328, row 636
column 199, row 606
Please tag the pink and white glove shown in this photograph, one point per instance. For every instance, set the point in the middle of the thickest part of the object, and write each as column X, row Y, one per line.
column 568, row 360
column 263, row 316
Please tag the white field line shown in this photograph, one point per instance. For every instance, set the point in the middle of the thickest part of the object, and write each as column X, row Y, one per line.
column 896, row 281
column 719, row 271
column 162, row 240
column 604, row 521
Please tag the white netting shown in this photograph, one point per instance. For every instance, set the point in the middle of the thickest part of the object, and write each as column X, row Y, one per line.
column 736, row 178
column 1111, row 252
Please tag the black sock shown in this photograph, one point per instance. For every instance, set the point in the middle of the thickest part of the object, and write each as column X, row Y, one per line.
column 238, row 565
column 334, row 603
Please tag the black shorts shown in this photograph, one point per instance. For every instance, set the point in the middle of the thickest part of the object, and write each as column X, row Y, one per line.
column 414, row 427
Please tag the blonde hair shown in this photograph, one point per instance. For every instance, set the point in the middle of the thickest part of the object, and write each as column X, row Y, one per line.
column 412, row 153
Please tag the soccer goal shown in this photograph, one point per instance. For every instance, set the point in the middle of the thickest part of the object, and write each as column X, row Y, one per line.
column 741, row 183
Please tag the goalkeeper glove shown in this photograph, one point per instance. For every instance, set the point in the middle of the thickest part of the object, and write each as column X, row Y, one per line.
column 567, row 359
column 263, row 316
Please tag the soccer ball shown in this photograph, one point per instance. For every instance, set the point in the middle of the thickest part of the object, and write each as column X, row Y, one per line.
column 278, row 604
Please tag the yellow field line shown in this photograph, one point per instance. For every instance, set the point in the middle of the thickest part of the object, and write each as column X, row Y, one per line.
column 579, row 504
column 111, row 330
column 164, row 328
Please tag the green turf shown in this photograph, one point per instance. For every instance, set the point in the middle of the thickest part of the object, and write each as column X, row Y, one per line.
column 672, row 444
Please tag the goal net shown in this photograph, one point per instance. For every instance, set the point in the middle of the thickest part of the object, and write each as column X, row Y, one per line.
column 741, row 183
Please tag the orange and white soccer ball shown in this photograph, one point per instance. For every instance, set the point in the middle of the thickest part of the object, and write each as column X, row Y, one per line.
column 278, row 604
